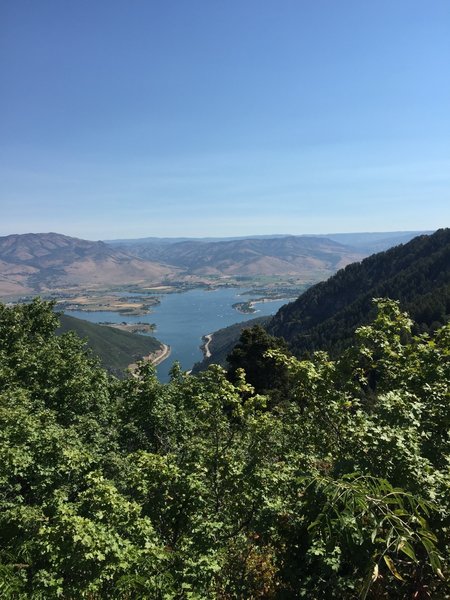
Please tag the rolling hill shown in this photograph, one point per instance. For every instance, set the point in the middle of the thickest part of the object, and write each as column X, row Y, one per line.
column 36, row 263
column 308, row 257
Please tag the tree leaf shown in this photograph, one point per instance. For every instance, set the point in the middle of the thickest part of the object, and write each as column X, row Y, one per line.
column 407, row 549
column 392, row 568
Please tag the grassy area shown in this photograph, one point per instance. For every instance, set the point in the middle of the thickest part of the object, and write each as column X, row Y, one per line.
column 116, row 349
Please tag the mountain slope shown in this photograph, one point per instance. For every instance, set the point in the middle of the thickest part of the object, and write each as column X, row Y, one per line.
column 371, row 242
column 223, row 341
column 288, row 255
column 40, row 262
column 417, row 274
column 116, row 349
column 325, row 316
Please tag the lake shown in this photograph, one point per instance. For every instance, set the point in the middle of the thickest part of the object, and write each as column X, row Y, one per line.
column 182, row 319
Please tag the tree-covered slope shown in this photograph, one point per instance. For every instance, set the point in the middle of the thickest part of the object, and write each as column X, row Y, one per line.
column 325, row 316
column 116, row 349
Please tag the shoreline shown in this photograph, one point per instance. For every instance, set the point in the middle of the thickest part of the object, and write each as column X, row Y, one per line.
column 251, row 304
column 155, row 358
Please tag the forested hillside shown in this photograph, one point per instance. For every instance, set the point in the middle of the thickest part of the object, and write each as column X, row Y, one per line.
column 325, row 316
column 198, row 489
column 116, row 349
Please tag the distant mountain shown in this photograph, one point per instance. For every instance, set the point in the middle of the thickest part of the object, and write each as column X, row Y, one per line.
column 371, row 242
column 116, row 349
column 310, row 257
column 366, row 242
column 43, row 262
column 38, row 262
column 325, row 316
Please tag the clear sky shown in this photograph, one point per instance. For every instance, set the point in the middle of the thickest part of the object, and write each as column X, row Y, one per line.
column 142, row 118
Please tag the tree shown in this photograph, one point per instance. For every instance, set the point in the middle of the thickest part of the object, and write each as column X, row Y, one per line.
column 266, row 375
column 196, row 489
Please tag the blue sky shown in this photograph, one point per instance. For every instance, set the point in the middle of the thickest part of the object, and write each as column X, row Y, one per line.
column 213, row 118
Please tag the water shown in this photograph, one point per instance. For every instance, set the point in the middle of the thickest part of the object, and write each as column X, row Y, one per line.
column 182, row 319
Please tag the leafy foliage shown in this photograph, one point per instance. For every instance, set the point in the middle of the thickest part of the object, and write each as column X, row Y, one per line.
column 262, row 372
column 201, row 488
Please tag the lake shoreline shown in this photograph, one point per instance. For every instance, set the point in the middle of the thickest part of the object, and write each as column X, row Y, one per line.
column 184, row 321
column 155, row 358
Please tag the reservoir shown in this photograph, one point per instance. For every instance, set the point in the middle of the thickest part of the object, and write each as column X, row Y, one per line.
column 183, row 318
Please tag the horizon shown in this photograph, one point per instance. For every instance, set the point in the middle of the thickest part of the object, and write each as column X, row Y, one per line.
column 225, row 238
column 202, row 120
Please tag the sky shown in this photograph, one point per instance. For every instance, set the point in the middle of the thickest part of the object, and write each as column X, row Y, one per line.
column 127, row 119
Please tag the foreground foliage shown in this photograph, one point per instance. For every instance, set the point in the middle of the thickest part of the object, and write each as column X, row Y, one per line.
column 201, row 488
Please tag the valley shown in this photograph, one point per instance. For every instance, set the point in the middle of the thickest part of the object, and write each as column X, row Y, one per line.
column 175, row 289
column 181, row 320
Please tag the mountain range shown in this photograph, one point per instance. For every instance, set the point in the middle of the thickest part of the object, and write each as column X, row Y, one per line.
column 290, row 255
column 37, row 263
column 41, row 262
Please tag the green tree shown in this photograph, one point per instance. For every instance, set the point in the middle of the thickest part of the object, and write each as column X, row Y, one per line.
column 197, row 489
column 266, row 375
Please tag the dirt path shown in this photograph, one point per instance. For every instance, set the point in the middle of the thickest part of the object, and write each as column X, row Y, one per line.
column 208, row 340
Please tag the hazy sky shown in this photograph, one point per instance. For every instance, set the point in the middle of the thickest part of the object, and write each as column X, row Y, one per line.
column 223, row 117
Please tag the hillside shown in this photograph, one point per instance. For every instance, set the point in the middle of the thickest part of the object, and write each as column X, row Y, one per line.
column 325, row 316
column 33, row 263
column 312, row 258
column 417, row 274
column 372, row 242
column 116, row 349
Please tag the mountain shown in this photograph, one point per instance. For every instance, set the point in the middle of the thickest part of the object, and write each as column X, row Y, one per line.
column 309, row 257
column 372, row 242
column 325, row 316
column 37, row 262
column 116, row 349
column 417, row 274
